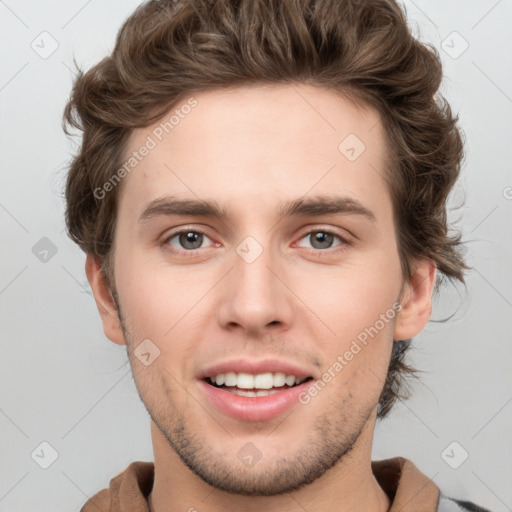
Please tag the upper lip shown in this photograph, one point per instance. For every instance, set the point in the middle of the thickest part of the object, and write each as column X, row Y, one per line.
column 255, row 367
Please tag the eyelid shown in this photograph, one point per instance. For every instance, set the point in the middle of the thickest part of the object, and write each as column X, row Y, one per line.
column 171, row 232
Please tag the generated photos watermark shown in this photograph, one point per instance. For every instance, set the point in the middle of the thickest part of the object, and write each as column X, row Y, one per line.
column 151, row 142
column 356, row 346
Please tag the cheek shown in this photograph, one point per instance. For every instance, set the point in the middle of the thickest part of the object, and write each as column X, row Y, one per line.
column 355, row 371
column 165, row 305
column 158, row 299
column 359, row 306
column 353, row 298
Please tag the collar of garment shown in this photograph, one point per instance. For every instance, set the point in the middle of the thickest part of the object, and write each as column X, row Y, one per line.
column 407, row 487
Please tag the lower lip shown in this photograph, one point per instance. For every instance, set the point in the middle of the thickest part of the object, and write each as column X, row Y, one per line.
column 248, row 408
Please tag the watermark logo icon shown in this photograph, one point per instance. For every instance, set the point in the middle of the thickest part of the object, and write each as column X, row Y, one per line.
column 454, row 455
column 351, row 147
column 249, row 455
column 146, row 352
column 249, row 249
column 44, row 250
column 44, row 455
column 45, row 45
column 454, row 45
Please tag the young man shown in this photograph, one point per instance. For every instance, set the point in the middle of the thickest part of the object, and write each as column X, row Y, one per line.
column 261, row 195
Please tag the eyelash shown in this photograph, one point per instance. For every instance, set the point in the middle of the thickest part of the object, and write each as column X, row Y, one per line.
column 317, row 252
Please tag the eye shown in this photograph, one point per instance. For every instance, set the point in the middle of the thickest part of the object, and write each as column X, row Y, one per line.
column 186, row 240
column 189, row 241
column 323, row 239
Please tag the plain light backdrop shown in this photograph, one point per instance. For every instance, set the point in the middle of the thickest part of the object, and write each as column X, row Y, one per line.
column 64, row 384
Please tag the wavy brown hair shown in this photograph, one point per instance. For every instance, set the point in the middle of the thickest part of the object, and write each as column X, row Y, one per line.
column 364, row 50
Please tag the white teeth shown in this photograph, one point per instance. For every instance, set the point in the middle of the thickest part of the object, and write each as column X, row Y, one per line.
column 261, row 392
column 245, row 381
column 239, row 392
column 279, row 379
column 290, row 380
column 262, row 381
column 230, row 379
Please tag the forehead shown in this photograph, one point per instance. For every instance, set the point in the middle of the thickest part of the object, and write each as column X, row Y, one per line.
column 251, row 145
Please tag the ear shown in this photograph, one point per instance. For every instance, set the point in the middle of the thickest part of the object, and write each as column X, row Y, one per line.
column 104, row 301
column 416, row 301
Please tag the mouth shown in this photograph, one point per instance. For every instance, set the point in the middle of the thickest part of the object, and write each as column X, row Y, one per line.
column 253, row 397
column 260, row 385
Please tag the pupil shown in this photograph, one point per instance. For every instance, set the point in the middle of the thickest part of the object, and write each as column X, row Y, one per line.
column 324, row 240
column 194, row 239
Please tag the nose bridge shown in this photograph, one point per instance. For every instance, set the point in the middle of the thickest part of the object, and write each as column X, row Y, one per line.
column 256, row 297
column 254, row 279
column 252, row 266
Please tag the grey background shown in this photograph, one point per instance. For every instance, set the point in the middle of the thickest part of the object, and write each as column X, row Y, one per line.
column 64, row 383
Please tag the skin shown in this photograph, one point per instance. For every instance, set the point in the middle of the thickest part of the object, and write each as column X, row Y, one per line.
column 251, row 149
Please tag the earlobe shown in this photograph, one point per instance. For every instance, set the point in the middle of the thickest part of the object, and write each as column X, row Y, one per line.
column 416, row 301
column 104, row 301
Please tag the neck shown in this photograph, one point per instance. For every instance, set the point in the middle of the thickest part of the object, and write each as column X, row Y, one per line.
column 348, row 486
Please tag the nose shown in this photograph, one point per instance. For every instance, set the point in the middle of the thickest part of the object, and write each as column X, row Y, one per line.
column 255, row 296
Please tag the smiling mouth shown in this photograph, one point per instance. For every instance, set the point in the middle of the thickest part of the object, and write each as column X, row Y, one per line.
column 246, row 384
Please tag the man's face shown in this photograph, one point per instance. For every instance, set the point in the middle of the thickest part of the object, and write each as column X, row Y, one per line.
column 259, row 291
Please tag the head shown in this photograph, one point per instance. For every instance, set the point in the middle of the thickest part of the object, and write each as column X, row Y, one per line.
column 314, row 128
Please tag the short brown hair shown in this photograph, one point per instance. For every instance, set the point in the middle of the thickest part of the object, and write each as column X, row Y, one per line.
column 361, row 49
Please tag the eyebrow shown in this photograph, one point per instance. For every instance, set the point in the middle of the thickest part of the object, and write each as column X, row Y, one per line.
column 313, row 206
